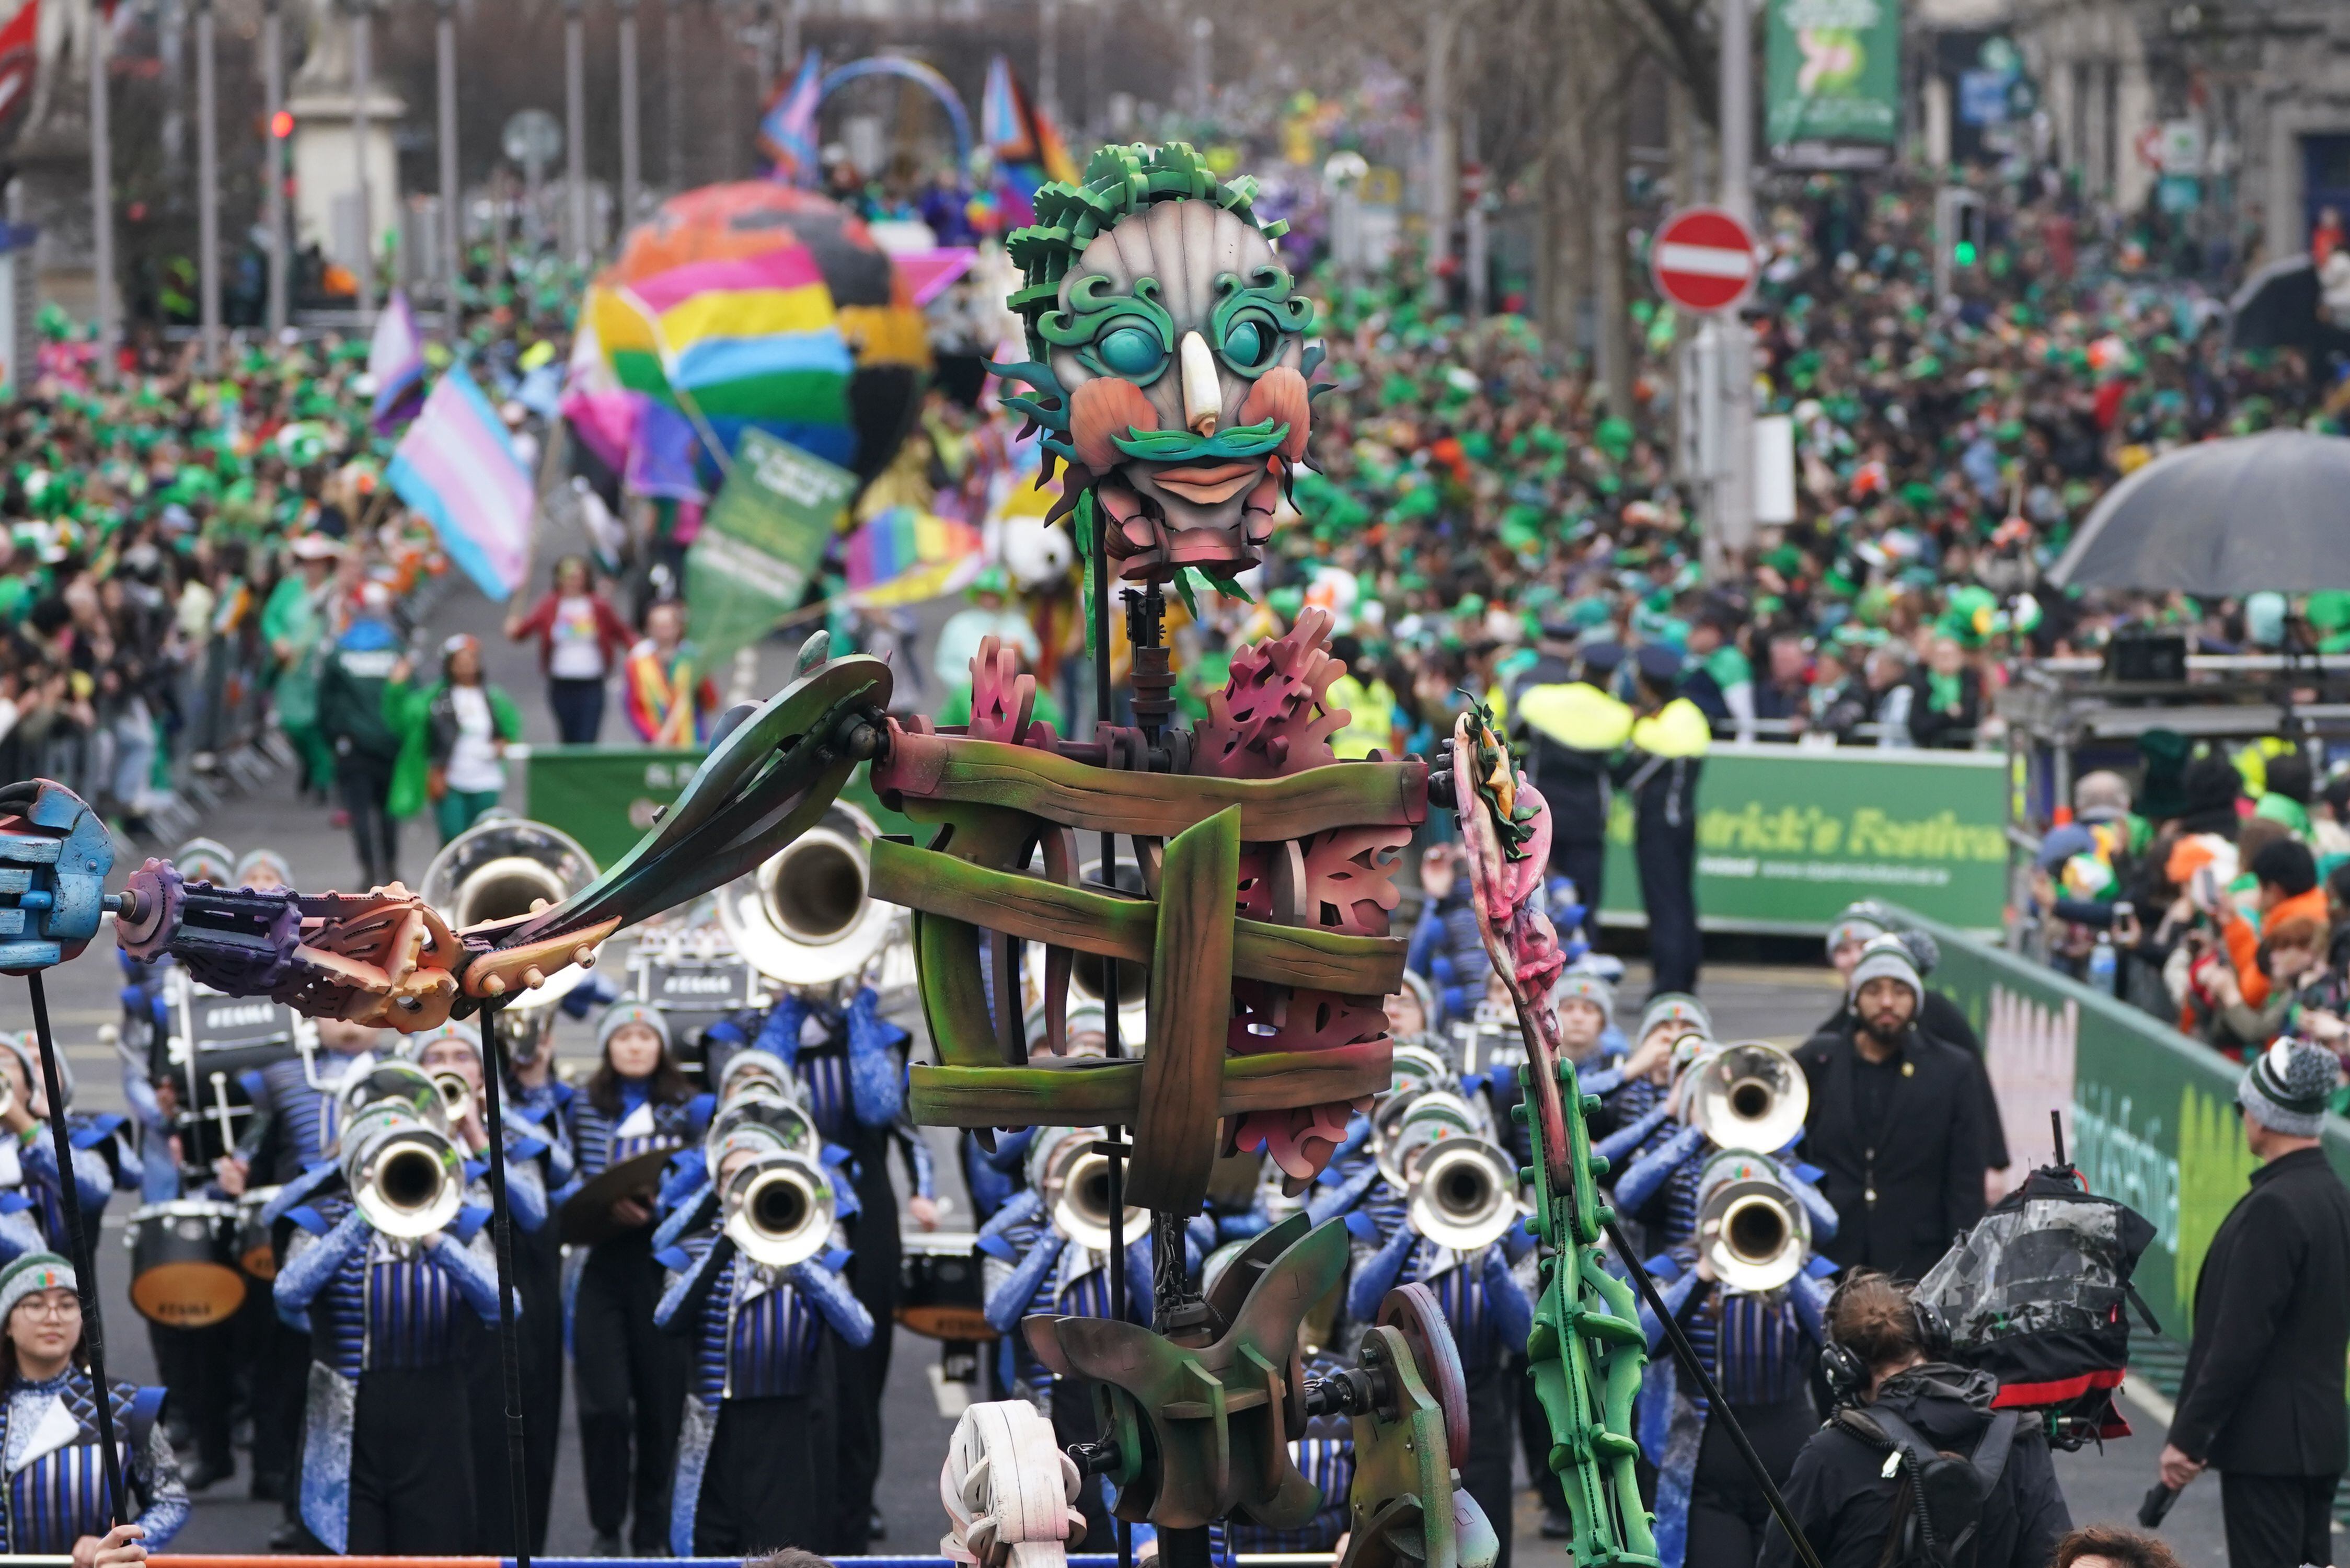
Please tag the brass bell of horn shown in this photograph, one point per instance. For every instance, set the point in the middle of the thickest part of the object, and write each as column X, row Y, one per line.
column 503, row 867
column 778, row 1208
column 803, row 916
column 1753, row 1230
column 1747, row 1096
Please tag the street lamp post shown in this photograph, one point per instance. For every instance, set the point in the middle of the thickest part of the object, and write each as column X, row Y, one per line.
column 632, row 152
column 452, row 192
column 208, row 236
column 574, row 123
column 362, row 77
column 101, row 195
column 273, row 194
column 673, row 90
column 1049, row 59
column 1734, row 495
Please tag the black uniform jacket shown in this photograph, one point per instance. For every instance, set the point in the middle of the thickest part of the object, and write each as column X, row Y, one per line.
column 1942, row 1019
column 2263, row 1392
column 1903, row 1190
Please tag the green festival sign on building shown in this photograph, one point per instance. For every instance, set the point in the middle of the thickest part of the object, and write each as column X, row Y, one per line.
column 1832, row 87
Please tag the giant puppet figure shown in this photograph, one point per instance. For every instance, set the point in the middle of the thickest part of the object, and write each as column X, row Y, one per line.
column 1169, row 373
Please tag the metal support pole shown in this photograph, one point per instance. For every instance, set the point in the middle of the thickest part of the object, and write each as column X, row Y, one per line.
column 632, row 127
column 1203, row 65
column 362, row 80
column 208, row 235
column 575, row 126
column 273, row 162
column 794, row 25
column 1049, row 59
column 101, row 206
column 81, row 1249
column 673, row 91
column 1734, row 498
column 1112, row 1047
column 769, row 47
column 494, row 1068
column 452, row 191
column 1443, row 157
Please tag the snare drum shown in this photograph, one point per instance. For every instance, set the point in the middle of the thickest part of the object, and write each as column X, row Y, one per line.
column 939, row 1290
column 256, row 1254
column 183, row 1271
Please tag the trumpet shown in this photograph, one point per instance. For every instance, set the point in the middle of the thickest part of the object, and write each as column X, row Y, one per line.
column 403, row 1172
column 762, row 1115
column 456, row 1096
column 778, row 1208
column 389, row 1088
column 1075, row 1186
column 502, row 869
column 1463, row 1193
column 1754, row 1232
column 1427, row 1117
column 804, row 915
column 1747, row 1096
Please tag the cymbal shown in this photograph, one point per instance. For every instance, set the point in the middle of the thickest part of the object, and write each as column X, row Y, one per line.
column 587, row 1214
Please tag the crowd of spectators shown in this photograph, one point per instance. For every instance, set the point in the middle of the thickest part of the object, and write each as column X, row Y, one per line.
column 186, row 558
column 1479, row 492
column 2216, row 894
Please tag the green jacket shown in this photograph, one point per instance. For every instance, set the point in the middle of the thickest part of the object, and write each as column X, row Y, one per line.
column 427, row 729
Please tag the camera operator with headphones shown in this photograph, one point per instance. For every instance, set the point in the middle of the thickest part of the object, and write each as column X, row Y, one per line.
column 1915, row 1469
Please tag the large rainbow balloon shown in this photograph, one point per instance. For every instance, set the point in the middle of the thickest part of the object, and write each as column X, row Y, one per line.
column 756, row 304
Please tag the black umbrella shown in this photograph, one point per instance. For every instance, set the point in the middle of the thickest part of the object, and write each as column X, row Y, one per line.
column 2223, row 518
column 2276, row 307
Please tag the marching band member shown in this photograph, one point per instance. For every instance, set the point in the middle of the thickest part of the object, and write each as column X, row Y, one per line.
column 630, row 1378
column 53, row 1501
column 32, row 1204
column 388, row 1461
column 850, row 1063
column 1759, row 1346
column 758, row 1459
column 538, row 1097
column 293, row 1127
column 456, row 1048
column 1030, row 1264
column 1479, row 1296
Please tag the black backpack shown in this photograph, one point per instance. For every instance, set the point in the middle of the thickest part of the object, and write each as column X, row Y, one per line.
column 1938, row 1509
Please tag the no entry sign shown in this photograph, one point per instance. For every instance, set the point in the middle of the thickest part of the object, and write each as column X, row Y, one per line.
column 1704, row 259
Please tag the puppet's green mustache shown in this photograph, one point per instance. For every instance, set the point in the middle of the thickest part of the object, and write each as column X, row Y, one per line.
column 1189, row 446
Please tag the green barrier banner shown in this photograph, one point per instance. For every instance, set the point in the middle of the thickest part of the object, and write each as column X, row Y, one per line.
column 604, row 796
column 1788, row 836
column 2149, row 1115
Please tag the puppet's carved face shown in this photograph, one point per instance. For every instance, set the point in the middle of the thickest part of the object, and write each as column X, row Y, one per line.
column 1178, row 343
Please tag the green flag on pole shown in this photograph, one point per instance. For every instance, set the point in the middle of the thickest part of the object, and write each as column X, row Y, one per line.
column 760, row 542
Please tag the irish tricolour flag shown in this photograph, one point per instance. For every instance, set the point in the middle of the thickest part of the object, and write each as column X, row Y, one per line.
column 456, row 466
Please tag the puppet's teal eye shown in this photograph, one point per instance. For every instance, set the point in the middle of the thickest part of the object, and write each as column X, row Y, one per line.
column 1131, row 351
column 1246, row 343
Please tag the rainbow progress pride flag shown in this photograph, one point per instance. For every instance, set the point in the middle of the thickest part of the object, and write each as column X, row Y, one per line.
column 736, row 337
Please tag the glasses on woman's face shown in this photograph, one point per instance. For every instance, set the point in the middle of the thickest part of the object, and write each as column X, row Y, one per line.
column 56, row 1308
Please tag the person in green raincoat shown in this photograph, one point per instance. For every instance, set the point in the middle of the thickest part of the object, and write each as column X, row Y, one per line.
column 293, row 627
column 453, row 739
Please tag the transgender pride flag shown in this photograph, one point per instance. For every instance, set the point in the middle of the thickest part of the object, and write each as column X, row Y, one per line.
column 457, row 468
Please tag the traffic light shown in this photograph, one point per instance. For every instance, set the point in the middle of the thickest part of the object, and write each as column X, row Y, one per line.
column 1962, row 235
column 1966, row 243
column 281, row 124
